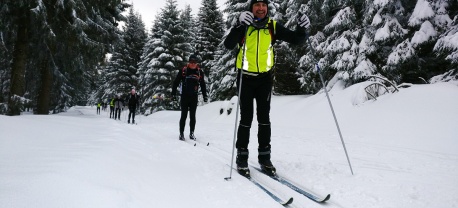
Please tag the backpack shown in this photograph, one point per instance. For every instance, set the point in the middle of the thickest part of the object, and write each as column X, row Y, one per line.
column 190, row 82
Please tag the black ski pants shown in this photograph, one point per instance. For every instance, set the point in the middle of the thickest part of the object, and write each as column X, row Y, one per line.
column 112, row 111
column 188, row 103
column 117, row 114
column 259, row 89
column 132, row 113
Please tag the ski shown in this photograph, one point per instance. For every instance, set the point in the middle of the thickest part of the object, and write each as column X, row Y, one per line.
column 199, row 142
column 291, row 185
column 275, row 197
column 190, row 141
column 265, row 190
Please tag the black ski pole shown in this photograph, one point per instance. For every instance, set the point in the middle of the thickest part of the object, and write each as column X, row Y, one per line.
column 330, row 105
column 238, row 105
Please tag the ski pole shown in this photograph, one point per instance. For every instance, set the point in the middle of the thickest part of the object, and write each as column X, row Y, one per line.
column 330, row 105
column 238, row 105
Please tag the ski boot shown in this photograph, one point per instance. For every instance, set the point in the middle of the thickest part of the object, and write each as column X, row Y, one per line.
column 192, row 137
column 181, row 137
column 265, row 163
column 242, row 162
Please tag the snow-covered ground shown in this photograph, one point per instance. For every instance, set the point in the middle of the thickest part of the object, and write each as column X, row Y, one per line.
column 403, row 149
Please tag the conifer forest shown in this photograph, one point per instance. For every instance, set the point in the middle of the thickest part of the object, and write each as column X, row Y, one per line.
column 55, row 54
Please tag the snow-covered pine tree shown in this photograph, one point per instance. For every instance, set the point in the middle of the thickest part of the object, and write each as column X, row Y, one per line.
column 121, row 72
column 71, row 40
column 210, row 30
column 287, row 78
column 164, row 54
column 413, row 60
column 223, row 74
column 6, row 46
column 386, row 29
column 335, row 41
column 188, row 22
column 446, row 46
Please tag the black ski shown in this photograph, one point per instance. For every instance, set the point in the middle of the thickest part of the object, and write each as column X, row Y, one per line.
column 291, row 185
column 200, row 142
column 275, row 197
column 272, row 195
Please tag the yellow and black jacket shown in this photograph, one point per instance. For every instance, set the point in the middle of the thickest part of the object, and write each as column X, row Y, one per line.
column 259, row 51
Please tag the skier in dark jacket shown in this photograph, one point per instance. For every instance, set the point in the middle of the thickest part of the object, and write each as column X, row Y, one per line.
column 254, row 35
column 132, row 102
column 190, row 77
column 119, row 105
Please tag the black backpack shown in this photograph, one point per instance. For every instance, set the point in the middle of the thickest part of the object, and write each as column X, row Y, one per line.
column 190, row 82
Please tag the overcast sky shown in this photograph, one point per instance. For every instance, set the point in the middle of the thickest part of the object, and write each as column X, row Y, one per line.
column 149, row 8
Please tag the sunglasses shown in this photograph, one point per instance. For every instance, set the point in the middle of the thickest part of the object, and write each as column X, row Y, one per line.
column 193, row 62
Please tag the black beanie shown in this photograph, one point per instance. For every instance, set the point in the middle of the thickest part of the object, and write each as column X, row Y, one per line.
column 193, row 58
column 256, row 1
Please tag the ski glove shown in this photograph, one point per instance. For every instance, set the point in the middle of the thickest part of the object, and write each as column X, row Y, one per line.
column 205, row 99
column 303, row 21
column 246, row 18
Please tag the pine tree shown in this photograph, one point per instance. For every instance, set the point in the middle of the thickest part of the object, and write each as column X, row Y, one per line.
column 164, row 54
column 70, row 40
column 6, row 47
column 190, row 30
column 210, row 30
column 446, row 46
column 286, row 76
column 223, row 74
column 121, row 73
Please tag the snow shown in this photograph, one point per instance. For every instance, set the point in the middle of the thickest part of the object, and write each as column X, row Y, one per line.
column 338, row 45
column 364, row 69
column 402, row 147
column 382, row 33
column 343, row 17
column 421, row 12
column 381, row 3
column 403, row 52
column 426, row 33
column 377, row 19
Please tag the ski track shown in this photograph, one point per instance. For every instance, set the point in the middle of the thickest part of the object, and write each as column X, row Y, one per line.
column 391, row 170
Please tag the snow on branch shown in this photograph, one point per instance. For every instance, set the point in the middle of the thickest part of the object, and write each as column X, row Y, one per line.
column 339, row 45
column 403, row 52
column 345, row 18
column 391, row 29
column 364, row 69
column 425, row 34
column 422, row 11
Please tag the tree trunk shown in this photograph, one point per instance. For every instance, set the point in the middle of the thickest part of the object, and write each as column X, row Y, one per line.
column 44, row 94
column 17, row 87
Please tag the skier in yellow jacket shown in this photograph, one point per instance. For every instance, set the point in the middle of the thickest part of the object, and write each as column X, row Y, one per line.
column 254, row 35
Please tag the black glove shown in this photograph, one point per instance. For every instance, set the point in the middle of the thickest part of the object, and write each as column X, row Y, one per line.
column 246, row 18
column 205, row 99
column 303, row 21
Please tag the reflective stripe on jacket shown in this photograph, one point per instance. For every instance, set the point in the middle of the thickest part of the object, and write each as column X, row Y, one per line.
column 259, row 51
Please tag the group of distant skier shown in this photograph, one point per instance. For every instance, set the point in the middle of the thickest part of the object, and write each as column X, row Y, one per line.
column 117, row 105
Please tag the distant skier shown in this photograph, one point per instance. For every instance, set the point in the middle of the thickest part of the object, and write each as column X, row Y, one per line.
column 190, row 77
column 112, row 114
column 118, row 105
column 132, row 102
column 98, row 108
